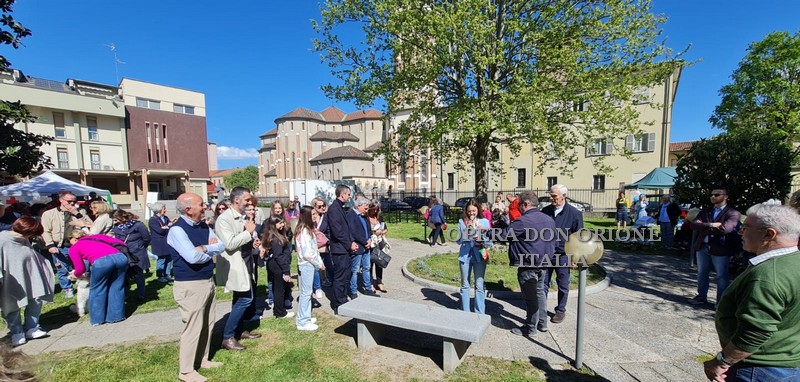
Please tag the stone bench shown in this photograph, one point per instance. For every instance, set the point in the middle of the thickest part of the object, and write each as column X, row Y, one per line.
column 457, row 328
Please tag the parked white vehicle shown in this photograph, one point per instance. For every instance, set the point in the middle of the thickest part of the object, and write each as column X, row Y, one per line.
column 308, row 189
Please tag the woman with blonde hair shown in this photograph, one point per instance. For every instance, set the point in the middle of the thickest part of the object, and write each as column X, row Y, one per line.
column 103, row 224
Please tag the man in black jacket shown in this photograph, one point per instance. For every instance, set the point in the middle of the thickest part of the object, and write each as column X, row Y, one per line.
column 341, row 245
column 667, row 218
column 568, row 220
column 527, row 250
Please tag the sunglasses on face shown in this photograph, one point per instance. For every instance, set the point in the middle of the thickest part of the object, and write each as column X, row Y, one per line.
column 71, row 201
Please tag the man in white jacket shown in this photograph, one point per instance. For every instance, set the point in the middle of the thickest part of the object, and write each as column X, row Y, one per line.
column 235, row 231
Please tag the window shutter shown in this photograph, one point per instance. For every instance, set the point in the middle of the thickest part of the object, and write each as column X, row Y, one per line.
column 651, row 142
column 609, row 146
column 629, row 142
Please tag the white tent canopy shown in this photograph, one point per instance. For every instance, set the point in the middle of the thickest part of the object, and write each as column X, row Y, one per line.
column 47, row 184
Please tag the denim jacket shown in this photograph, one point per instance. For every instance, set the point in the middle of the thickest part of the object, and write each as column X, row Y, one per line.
column 468, row 251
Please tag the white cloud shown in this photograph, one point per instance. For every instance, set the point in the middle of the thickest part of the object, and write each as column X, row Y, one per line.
column 228, row 153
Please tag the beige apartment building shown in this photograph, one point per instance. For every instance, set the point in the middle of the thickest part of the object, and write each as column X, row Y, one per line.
column 650, row 149
column 87, row 123
column 327, row 145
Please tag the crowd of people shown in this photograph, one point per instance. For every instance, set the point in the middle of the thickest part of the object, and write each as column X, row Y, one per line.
column 337, row 247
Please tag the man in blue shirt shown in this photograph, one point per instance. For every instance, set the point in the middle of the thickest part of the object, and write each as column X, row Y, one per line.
column 192, row 246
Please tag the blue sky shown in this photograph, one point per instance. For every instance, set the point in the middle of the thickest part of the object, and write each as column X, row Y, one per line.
column 253, row 60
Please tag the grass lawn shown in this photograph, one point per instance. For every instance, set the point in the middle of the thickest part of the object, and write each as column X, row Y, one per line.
column 158, row 297
column 283, row 354
column 444, row 268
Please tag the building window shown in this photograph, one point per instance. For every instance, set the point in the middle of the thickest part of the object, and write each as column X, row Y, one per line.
column 58, row 123
column 167, row 179
column 599, row 182
column 91, row 124
column 599, row 146
column 94, row 156
column 521, row 177
column 63, row 157
column 183, row 109
column 580, row 105
column 165, row 156
column 158, row 155
column 148, row 103
column 641, row 143
column 551, row 181
column 451, row 180
column 149, row 155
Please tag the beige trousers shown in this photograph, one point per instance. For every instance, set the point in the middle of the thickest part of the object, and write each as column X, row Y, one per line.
column 197, row 304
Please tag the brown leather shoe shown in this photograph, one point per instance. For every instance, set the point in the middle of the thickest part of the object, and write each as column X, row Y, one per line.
column 246, row 335
column 232, row 344
column 558, row 317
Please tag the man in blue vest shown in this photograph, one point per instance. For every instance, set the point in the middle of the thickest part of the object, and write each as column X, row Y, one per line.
column 360, row 258
column 192, row 245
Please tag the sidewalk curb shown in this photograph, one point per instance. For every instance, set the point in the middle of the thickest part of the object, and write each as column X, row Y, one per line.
column 502, row 295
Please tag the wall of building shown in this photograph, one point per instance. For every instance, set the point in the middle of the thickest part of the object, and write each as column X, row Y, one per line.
column 168, row 96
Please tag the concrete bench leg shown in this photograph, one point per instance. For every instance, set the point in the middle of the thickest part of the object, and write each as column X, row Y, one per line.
column 368, row 334
column 453, row 353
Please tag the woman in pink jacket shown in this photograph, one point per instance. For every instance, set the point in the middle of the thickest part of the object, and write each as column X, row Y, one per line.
column 107, row 278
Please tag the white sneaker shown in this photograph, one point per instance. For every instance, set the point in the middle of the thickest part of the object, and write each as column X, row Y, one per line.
column 318, row 294
column 18, row 339
column 313, row 320
column 68, row 293
column 35, row 333
column 309, row 327
column 288, row 315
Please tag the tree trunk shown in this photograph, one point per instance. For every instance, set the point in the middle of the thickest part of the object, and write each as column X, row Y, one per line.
column 480, row 155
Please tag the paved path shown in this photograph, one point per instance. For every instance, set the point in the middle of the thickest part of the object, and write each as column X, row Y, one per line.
column 638, row 329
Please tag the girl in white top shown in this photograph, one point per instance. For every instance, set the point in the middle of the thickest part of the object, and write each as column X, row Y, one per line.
column 308, row 259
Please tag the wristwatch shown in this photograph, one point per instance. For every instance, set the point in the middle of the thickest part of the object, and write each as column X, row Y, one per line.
column 721, row 359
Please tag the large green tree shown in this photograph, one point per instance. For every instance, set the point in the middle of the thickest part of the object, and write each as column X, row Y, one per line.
column 475, row 74
column 246, row 177
column 752, row 165
column 765, row 91
column 20, row 152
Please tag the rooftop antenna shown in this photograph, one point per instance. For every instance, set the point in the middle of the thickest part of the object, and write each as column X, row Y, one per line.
column 117, row 61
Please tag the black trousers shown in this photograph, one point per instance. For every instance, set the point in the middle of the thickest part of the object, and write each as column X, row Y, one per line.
column 562, row 281
column 279, row 288
column 341, row 278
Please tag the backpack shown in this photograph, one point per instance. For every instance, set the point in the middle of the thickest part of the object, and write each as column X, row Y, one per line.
column 121, row 247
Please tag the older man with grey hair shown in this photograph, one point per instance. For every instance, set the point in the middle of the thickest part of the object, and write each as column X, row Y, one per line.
column 759, row 313
column 360, row 258
column 192, row 245
column 568, row 219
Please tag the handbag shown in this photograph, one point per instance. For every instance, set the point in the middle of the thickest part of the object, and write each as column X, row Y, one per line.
column 380, row 258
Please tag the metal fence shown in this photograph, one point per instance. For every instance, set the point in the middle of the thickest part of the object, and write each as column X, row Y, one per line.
column 601, row 200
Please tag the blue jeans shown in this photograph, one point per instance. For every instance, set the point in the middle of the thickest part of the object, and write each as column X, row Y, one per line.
column 241, row 301
column 317, row 281
column 704, row 262
column 63, row 267
column 107, row 289
column 667, row 233
column 479, row 269
column 164, row 266
column 362, row 262
column 753, row 373
column 32, row 311
column 306, row 277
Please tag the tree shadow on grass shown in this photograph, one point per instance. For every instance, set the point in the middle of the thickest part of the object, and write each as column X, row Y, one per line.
column 567, row 375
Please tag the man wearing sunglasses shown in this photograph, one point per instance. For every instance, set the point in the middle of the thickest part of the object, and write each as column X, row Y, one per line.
column 716, row 242
column 58, row 223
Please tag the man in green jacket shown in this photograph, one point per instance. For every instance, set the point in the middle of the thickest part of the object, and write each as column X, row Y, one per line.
column 759, row 313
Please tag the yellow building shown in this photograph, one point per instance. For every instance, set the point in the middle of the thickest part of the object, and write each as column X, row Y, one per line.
column 650, row 149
